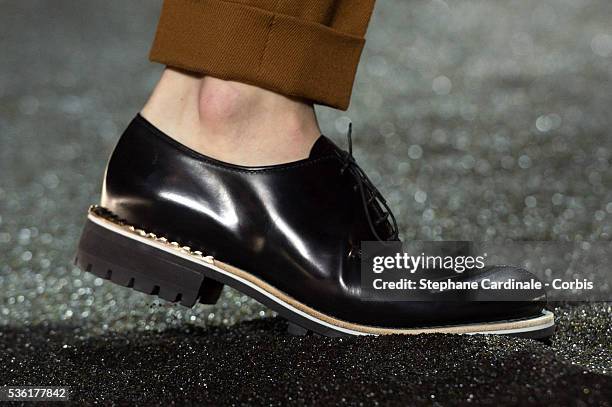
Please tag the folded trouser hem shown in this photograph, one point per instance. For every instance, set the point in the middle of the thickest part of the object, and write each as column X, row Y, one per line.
column 232, row 41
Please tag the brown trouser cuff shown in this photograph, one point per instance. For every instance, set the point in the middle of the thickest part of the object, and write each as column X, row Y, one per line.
column 247, row 44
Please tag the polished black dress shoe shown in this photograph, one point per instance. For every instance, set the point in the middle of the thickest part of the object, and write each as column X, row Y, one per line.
column 180, row 225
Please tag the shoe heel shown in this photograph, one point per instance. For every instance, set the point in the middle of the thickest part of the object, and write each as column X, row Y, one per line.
column 210, row 291
column 145, row 268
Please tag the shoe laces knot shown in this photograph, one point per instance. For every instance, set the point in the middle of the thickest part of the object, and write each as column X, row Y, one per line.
column 368, row 192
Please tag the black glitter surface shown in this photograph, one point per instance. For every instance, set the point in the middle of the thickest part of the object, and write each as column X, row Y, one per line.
column 258, row 363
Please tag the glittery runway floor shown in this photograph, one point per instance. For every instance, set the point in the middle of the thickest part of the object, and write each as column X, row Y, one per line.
column 477, row 119
column 257, row 363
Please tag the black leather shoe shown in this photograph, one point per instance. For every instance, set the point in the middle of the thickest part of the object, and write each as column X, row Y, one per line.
column 180, row 225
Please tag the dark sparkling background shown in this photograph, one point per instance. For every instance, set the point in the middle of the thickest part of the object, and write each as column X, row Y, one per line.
column 477, row 119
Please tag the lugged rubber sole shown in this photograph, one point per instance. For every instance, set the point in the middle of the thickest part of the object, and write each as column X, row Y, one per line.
column 116, row 251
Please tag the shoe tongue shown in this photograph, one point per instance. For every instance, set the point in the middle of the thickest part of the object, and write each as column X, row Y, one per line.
column 323, row 147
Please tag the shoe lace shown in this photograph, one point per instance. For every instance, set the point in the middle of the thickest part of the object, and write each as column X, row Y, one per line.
column 373, row 195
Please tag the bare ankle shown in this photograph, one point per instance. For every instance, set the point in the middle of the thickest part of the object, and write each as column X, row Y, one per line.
column 232, row 121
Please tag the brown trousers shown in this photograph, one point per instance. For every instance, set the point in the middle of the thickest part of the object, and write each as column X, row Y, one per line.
column 308, row 49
